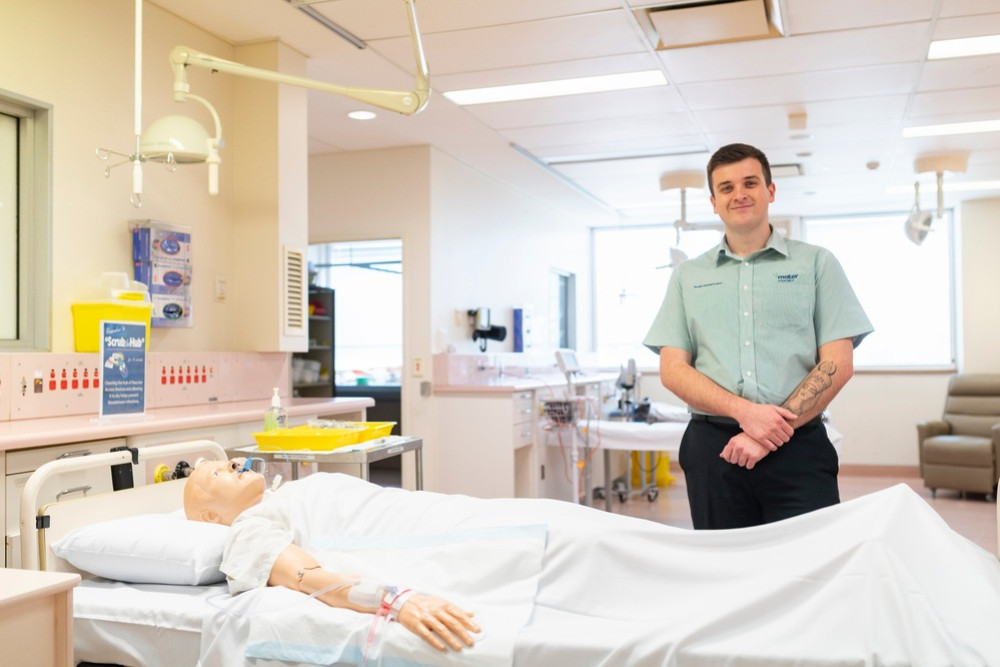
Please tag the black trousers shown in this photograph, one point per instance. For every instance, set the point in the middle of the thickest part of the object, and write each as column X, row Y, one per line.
column 799, row 477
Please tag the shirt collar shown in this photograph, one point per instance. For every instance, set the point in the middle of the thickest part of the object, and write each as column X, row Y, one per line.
column 775, row 242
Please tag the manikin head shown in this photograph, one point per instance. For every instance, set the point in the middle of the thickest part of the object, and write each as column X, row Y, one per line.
column 217, row 491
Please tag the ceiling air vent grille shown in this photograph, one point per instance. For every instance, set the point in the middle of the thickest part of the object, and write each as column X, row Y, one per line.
column 685, row 24
column 295, row 292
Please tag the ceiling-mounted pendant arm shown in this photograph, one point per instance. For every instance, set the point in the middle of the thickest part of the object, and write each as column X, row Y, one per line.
column 400, row 101
column 940, row 194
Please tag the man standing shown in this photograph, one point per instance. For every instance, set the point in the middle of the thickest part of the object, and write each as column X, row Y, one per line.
column 757, row 336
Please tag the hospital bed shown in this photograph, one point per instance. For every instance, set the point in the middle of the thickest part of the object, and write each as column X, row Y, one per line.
column 857, row 584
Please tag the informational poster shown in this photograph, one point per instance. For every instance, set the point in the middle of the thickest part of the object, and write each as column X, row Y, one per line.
column 123, row 371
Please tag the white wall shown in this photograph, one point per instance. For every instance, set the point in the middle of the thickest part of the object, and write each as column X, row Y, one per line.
column 492, row 247
column 468, row 240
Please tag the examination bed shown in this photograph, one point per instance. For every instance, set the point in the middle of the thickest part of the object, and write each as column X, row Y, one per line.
column 880, row 580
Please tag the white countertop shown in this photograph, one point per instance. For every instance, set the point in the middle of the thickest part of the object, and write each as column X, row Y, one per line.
column 20, row 434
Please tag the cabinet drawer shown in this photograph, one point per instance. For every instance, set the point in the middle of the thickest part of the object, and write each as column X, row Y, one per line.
column 29, row 460
column 523, row 434
column 523, row 406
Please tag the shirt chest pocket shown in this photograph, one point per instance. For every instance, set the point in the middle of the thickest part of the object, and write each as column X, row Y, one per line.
column 785, row 304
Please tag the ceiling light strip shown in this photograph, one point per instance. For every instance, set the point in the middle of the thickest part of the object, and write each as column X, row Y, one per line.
column 558, row 88
column 588, row 158
column 947, row 129
column 562, row 177
column 965, row 46
column 343, row 33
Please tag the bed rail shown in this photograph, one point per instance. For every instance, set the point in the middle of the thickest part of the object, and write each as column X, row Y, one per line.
column 31, row 542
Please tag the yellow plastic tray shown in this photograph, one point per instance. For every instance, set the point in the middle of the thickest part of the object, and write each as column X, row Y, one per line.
column 305, row 437
column 321, row 439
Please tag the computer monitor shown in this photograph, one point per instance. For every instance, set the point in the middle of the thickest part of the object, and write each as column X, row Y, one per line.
column 566, row 359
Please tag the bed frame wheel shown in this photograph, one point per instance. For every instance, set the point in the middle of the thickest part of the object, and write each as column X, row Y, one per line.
column 652, row 493
column 933, row 493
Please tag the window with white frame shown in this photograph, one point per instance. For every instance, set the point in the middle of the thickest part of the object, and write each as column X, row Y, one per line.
column 907, row 290
column 632, row 266
column 25, row 227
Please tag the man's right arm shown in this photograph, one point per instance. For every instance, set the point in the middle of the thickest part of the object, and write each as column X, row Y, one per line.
column 768, row 424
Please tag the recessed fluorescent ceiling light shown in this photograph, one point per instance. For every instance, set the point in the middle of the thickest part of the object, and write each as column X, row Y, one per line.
column 580, row 158
column 966, row 46
column 530, row 91
column 966, row 186
column 952, row 128
column 361, row 115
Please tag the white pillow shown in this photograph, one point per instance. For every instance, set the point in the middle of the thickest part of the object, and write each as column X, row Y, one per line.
column 148, row 549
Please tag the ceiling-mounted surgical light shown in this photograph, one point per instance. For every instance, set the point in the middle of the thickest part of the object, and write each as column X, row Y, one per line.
column 918, row 223
column 180, row 140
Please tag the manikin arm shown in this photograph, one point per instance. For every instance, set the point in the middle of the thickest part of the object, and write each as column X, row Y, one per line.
column 438, row 622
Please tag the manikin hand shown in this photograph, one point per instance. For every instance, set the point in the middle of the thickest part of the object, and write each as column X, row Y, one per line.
column 438, row 622
column 769, row 425
column 744, row 451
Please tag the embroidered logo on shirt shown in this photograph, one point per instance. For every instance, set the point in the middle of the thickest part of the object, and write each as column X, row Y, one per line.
column 787, row 277
column 719, row 282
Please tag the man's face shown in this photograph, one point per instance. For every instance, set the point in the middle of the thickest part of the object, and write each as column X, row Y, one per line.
column 225, row 491
column 741, row 198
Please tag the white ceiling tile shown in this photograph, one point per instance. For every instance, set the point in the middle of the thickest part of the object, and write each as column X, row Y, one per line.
column 944, row 102
column 807, row 16
column 578, row 108
column 968, row 26
column 550, row 138
column 562, row 39
column 958, row 73
column 807, row 53
column 798, row 88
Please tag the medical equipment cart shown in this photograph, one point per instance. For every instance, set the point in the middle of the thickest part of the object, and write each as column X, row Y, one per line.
column 362, row 454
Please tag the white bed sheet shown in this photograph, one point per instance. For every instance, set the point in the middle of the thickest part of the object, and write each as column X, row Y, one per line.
column 880, row 580
column 141, row 624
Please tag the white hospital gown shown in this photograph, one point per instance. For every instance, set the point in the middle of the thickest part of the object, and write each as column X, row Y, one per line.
column 256, row 539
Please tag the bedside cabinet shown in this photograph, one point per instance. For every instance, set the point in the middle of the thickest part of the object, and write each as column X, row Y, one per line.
column 36, row 617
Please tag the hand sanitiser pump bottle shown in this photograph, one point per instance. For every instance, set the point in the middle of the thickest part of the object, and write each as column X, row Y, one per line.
column 275, row 417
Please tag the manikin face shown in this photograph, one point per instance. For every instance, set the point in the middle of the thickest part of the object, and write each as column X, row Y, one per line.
column 741, row 198
column 217, row 492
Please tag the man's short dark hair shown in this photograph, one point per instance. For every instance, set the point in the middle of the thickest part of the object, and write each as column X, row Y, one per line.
column 734, row 153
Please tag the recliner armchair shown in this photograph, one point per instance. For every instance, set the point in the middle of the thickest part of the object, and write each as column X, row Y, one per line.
column 962, row 450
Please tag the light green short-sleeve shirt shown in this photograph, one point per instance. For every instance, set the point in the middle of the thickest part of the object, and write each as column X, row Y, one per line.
column 754, row 325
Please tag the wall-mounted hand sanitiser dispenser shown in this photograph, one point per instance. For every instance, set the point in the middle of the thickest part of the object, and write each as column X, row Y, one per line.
column 482, row 330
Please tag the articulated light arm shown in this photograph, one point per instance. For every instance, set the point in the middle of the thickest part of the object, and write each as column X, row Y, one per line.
column 404, row 102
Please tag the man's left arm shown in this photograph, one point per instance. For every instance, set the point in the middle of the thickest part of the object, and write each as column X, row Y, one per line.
column 823, row 382
column 814, row 393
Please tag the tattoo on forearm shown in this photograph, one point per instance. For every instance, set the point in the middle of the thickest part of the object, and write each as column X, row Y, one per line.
column 810, row 390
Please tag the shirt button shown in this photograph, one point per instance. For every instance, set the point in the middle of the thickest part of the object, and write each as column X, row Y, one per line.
column 747, row 343
column 746, row 263
column 749, row 373
column 746, row 287
column 746, row 314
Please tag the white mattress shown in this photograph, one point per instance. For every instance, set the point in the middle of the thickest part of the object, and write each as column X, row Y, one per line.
column 140, row 624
